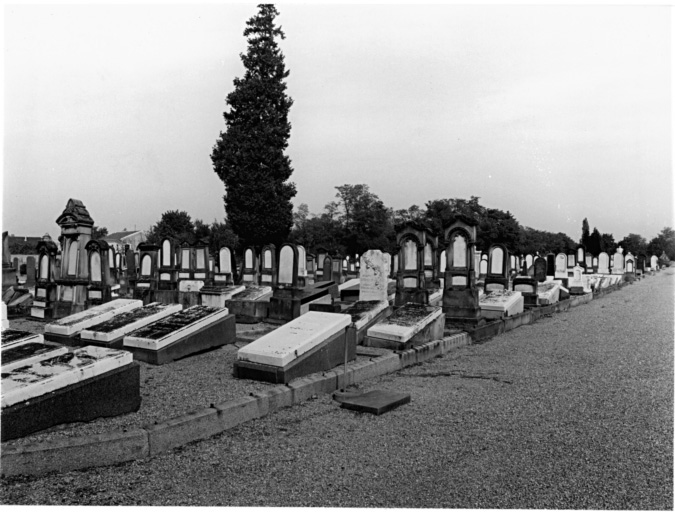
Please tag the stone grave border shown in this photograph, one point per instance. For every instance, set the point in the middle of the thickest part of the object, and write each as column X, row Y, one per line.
column 121, row 446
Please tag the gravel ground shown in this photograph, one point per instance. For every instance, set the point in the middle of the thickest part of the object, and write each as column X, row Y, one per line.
column 572, row 412
column 169, row 390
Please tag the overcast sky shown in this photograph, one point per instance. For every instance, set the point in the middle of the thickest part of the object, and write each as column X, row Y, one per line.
column 554, row 113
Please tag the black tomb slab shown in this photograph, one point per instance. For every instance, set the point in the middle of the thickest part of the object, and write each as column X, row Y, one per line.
column 376, row 402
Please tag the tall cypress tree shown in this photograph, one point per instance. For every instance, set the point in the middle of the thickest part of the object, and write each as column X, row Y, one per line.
column 249, row 156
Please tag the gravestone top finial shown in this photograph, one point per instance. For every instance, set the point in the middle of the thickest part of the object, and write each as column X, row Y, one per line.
column 619, row 250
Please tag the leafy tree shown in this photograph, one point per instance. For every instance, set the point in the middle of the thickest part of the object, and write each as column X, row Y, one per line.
column 543, row 242
column 365, row 220
column 664, row 242
column 585, row 233
column 607, row 243
column 249, row 156
column 174, row 224
column 499, row 227
column 594, row 243
column 441, row 212
column 414, row 213
column 98, row 233
column 634, row 244
column 220, row 234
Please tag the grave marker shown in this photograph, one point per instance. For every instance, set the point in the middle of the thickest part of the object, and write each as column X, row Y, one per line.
column 498, row 275
column 311, row 343
column 183, row 333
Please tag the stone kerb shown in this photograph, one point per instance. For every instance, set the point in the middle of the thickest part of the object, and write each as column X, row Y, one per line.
column 117, row 447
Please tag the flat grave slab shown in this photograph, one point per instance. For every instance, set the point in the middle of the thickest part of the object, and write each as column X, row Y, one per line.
column 435, row 297
column 250, row 305
column 375, row 402
column 190, row 285
column 216, row 295
column 364, row 312
column 280, row 347
column 28, row 353
column 408, row 325
column 81, row 385
column 548, row 292
column 111, row 333
column 350, row 284
column 254, row 292
column 310, row 343
column 499, row 303
column 65, row 329
column 186, row 332
column 50, row 374
column 10, row 338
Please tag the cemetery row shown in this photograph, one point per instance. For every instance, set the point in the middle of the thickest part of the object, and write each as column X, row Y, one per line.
column 105, row 317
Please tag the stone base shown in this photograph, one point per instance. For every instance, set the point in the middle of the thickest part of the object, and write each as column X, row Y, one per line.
column 71, row 340
column 464, row 323
column 326, row 356
column 248, row 311
column 110, row 394
column 216, row 334
column 286, row 305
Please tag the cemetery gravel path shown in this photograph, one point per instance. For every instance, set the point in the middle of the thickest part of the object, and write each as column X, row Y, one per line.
column 572, row 412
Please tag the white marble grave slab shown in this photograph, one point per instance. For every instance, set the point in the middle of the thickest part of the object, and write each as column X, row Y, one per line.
column 294, row 339
column 367, row 316
column 51, row 374
column 349, row 283
column 548, row 292
column 389, row 329
column 190, row 285
column 5, row 321
column 75, row 323
column 254, row 292
column 136, row 338
column 435, row 296
column 501, row 302
column 13, row 338
column 131, row 321
column 324, row 299
column 30, row 360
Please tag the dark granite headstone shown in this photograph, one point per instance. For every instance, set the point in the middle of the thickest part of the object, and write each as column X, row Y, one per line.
column 540, row 268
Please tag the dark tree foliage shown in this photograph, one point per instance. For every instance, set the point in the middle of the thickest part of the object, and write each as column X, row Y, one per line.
column 664, row 242
column 174, row 224
column 585, row 233
column 607, row 243
column 179, row 227
column 634, row 244
column 98, row 233
column 249, row 156
column 594, row 243
column 536, row 241
column 365, row 219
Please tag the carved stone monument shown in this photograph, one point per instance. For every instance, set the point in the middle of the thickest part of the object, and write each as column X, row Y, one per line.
column 76, row 227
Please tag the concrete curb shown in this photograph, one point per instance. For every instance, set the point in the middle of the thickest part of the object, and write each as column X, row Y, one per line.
column 117, row 447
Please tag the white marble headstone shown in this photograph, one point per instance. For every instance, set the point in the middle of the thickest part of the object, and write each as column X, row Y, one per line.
column 603, row 263
column 373, row 275
column 410, row 255
column 286, row 265
column 561, row 266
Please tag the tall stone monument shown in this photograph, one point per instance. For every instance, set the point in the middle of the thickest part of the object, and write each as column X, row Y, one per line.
column 72, row 282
